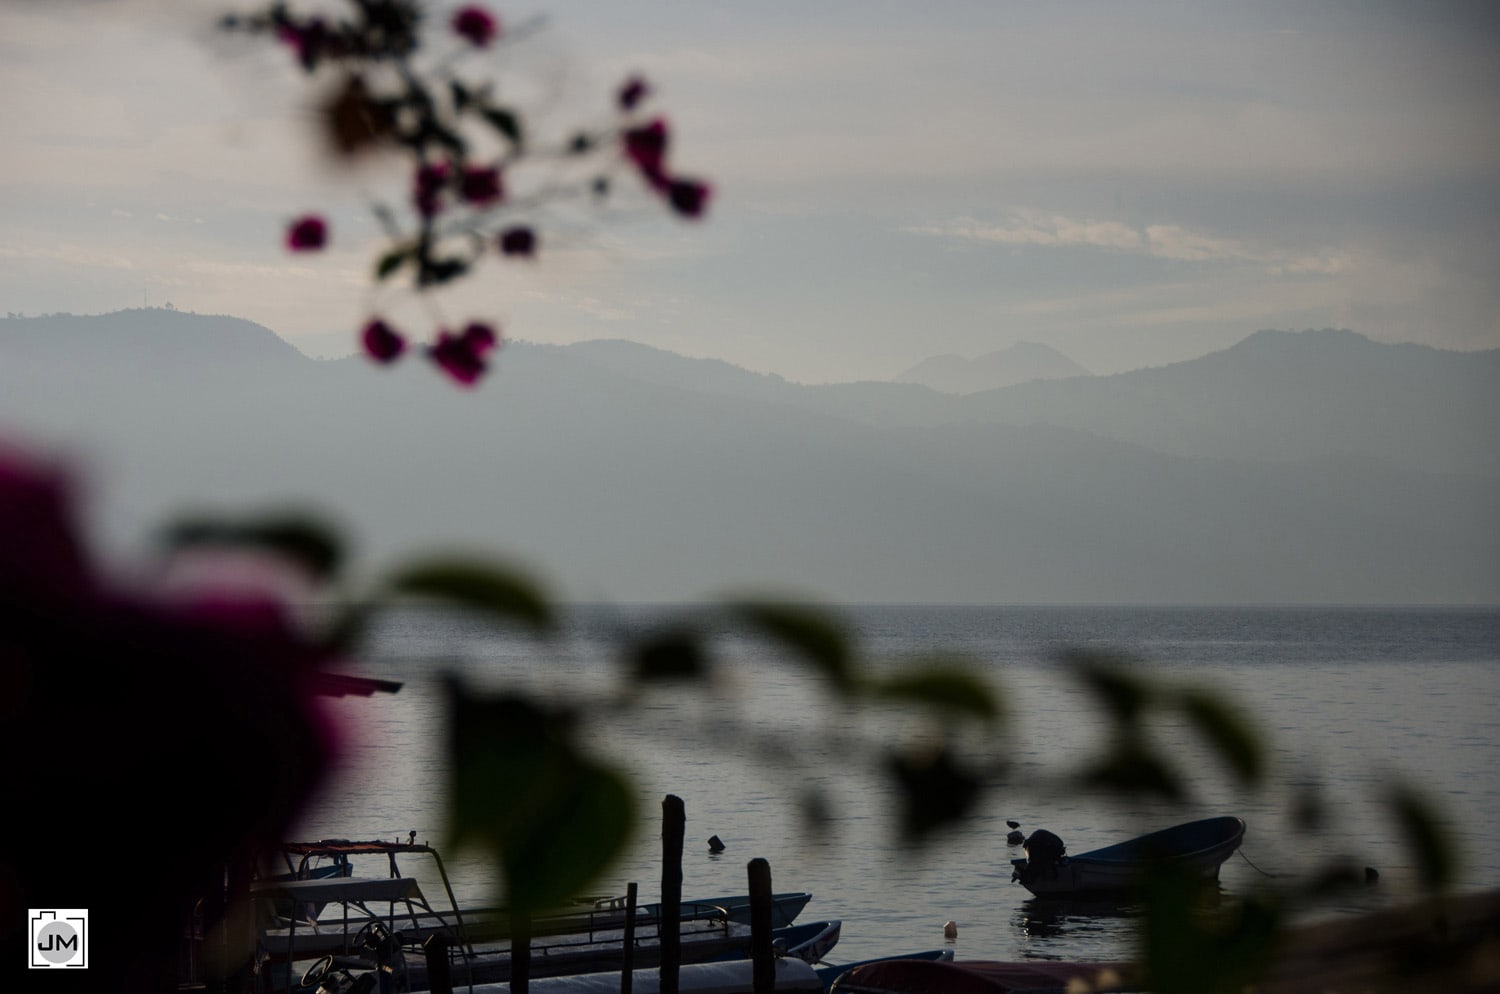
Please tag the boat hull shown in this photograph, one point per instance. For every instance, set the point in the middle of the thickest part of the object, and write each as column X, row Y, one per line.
column 1195, row 849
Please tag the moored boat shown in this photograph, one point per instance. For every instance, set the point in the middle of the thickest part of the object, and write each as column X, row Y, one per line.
column 1196, row 848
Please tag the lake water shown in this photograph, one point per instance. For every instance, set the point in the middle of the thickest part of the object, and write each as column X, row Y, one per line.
column 1348, row 699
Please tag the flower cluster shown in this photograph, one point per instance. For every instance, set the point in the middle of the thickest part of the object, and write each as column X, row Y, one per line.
column 462, row 198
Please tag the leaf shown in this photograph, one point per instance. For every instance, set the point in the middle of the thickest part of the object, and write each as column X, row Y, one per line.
column 670, row 656
column 1122, row 694
column 506, row 122
column 1425, row 834
column 948, row 687
column 806, row 631
column 936, row 790
column 488, row 587
column 460, row 93
column 299, row 537
column 390, row 262
column 552, row 818
column 1130, row 769
column 1228, row 731
column 1189, row 951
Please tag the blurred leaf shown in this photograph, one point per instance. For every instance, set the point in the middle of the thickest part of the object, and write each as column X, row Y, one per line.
column 484, row 586
column 506, row 122
column 1130, row 769
column 391, row 261
column 1228, row 731
column 806, row 631
column 936, row 790
column 551, row 817
column 947, row 687
column 1194, row 948
column 1425, row 834
column 670, row 656
column 298, row 537
column 1123, row 695
column 460, row 93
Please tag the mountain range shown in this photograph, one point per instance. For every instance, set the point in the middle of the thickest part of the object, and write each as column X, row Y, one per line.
column 1294, row 467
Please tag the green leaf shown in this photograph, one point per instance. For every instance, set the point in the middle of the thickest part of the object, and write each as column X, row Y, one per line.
column 1130, row 769
column 1193, row 949
column 391, row 261
column 1228, row 731
column 484, row 586
column 676, row 655
column 1122, row 694
column 297, row 536
column 936, row 790
column 807, row 632
column 460, row 93
column 945, row 686
column 1425, row 834
column 507, row 122
column 552, row 818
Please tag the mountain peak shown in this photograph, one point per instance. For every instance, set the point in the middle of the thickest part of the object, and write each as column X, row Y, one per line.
column 1019, row 363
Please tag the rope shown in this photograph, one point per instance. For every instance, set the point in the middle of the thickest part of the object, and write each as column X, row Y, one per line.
column 1253, row 866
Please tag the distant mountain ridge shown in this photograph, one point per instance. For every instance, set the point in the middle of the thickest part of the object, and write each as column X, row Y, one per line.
column 1266, row 473
column 1021, row 363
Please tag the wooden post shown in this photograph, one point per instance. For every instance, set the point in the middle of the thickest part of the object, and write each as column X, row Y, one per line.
column 673, row 830
column 520, row 952
column 627, row 950
column 439, row 966
column 762, row 959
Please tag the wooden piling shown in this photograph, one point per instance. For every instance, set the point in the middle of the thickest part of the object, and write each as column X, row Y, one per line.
column 673, row 831
column 762, row 958
column 627, row 948
column 439, row 965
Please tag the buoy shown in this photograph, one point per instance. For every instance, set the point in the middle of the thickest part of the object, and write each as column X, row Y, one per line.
column 950, row 930
column 715, row 844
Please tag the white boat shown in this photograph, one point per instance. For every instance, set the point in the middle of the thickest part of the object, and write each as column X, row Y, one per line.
column 1198, row 848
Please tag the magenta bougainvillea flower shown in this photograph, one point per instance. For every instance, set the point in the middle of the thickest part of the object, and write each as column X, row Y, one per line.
column 463, row 356
column 427, row 187
column 481, row 184
column 689, row 197
column 633, row 92
column 519, row 240
column 382, row 342
column 476, row 24
column 307, row 234
column 646, row 146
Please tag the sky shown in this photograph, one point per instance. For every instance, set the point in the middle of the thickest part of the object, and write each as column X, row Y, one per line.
column 1130, row 183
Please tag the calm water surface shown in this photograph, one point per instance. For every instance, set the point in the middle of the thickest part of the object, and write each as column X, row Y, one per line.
column 1349, row 699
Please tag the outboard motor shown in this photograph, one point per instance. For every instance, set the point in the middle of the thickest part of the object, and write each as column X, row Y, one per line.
column 1044, row 854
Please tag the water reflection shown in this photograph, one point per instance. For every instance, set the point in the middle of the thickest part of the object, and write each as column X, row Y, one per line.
column 1054, row 928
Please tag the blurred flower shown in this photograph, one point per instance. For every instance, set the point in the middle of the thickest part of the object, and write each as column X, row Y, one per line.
column 476, row 24
column 462, row 356
column 307, row 234
column 689, row 197
column 633, row 92
column 646, row 146
column 382, row 343
column 430, row 179
column 518, row 241
column 481, row 184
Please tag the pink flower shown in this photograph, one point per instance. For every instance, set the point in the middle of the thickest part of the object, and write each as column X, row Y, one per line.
column 518, row 241
column 689, row 197
column 307, row 234
column 476, row 24
column 633, row 92
column 481, row 185
column 428, row 185
column 382, row 343
column 462, row 356
column 646, row 146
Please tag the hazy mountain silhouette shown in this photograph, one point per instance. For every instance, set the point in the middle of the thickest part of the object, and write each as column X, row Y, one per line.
column 1021, row 363
column 624, row 473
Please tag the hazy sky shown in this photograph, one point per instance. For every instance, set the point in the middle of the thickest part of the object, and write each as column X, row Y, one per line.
column 1130, row 183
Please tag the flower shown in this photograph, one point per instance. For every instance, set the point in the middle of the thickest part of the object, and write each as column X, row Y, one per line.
column 481, row 184
column 462, row 356
column 307, row 234
column 382, row 343
column 520, row 240
column 476, row 24
column 427, row 185
column 689, row 197
column 646, row 146
column 633, row 92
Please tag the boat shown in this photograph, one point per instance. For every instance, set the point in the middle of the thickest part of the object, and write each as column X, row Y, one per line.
column 729, row 977
column 830, row 972
column 736, row 907
column 1197, row 848
column 913, row 976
